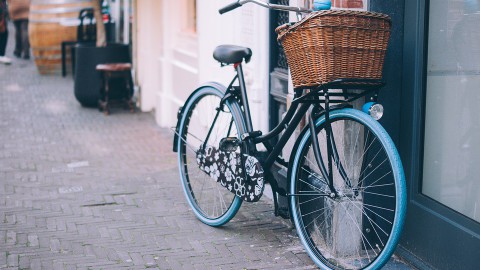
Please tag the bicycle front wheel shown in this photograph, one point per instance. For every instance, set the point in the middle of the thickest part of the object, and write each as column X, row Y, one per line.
column 357, row 224
column 204, row 124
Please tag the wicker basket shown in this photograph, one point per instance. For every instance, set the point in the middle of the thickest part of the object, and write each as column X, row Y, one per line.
column 335, row 44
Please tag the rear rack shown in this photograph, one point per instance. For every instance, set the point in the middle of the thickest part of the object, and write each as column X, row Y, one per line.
column 340, row 90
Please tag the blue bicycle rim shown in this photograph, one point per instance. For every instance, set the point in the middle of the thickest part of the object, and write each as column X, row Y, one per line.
column 237, row 202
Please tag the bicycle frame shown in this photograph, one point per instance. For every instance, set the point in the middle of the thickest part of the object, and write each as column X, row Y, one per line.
column 298, row 109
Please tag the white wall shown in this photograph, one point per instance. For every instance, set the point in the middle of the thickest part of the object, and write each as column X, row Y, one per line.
column 173, row 61
column 245, row 26
column 167, row 57
column 148, row 49
column 179, row 62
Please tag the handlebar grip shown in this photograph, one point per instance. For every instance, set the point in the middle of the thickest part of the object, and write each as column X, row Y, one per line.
column 229, row 7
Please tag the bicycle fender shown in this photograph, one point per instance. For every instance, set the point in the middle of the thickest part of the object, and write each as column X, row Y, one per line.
column 181, row 110
column 295, row 147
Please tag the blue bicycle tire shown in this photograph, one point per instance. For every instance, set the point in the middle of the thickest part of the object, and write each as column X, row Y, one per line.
column 310, row 241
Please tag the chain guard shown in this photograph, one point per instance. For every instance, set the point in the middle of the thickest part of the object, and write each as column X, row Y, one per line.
column 241, row 174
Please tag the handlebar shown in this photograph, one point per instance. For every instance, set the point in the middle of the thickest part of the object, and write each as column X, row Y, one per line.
column 240, row 3
column 230, row 7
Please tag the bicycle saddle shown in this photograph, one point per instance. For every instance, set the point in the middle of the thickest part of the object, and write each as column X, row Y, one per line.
column 231, row 54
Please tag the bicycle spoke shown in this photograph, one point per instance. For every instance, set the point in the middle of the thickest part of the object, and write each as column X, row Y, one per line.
column 373, row 186
column 320, row 179
column 378, row 215
column 361, row 181
column 316, row 198
column 313, row 212
column 354, row 149
column 378, row 207
column 359, row 230
column 363, row 155
column 188, row 146
column 378, row 194
column 306, row 226
column 370, row 220
column 312, row 186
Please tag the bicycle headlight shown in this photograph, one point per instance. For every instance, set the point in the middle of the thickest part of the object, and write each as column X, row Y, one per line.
column 375, row 110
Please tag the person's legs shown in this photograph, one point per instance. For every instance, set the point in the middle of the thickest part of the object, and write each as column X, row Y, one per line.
column 3, row 42
column 25, row 41
column 18, row 38
column 3, row 46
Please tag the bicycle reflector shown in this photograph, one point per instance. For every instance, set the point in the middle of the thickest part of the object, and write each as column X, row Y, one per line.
column 373, row 109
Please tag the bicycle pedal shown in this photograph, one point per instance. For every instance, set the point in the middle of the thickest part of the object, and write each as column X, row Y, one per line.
column 229, row 144
column 252, row 134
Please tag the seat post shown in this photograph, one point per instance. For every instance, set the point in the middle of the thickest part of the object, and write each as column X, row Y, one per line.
column 243, row 92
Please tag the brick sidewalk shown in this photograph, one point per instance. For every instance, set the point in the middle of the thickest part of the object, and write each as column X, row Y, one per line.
column 79, row 190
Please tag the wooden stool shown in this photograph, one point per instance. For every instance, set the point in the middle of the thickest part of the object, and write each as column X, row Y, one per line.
column 115, row 70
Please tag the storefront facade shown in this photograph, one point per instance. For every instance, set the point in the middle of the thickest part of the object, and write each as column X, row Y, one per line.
column 438, row 129
column 433, row 76
column 432, row 71
column 174, row 44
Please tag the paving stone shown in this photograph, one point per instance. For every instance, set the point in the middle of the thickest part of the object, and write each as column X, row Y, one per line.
column 12, row 260
column 3, row 259
column 79, row 190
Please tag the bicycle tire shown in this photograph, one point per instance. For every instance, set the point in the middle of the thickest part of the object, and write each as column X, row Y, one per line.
column 361, row 227
column 225, row 204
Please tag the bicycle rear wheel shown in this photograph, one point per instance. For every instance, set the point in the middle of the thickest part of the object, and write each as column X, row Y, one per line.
column 360, row 226
column 212, row 203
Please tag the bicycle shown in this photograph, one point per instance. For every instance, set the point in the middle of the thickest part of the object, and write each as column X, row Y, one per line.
column 346, row 186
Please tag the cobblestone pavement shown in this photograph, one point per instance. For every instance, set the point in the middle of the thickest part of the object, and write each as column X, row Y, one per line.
column 79, row 190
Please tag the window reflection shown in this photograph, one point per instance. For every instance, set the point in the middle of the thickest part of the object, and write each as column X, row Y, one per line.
column 452, row 122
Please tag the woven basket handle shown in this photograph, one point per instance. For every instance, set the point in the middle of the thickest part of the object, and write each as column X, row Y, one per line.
column 282, row 30
column 286, row 28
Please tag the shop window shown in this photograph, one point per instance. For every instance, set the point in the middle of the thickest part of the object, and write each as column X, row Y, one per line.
column 192, row 16
column 343, row 4
column 349, row 4
column 452, row 126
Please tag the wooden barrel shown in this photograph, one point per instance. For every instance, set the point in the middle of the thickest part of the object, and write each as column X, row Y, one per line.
column 51, row 23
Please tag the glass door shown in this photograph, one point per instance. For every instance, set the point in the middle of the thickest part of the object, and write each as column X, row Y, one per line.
column 440, row 140
column 451, row 167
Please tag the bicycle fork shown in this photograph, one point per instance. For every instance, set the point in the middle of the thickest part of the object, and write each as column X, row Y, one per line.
column 332, row 153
